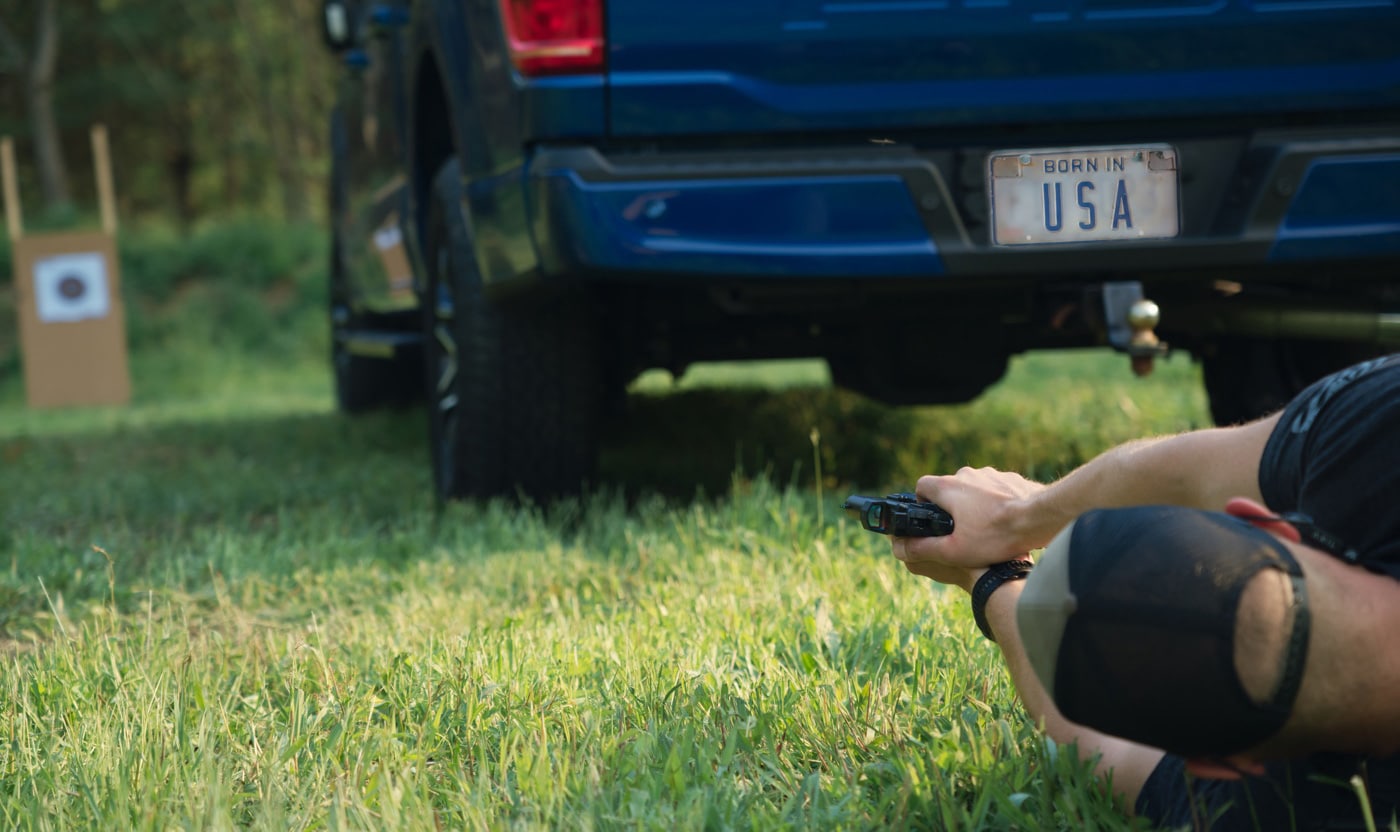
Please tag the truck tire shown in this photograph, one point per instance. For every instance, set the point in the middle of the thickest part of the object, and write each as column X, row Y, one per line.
column 1249, row 378
column 513, row 392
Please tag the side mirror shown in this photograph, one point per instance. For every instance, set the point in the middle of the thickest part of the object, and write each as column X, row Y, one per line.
column 337, row 25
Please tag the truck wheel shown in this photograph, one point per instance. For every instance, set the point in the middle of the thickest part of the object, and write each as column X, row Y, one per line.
column 513, row 392
column 1248, row 378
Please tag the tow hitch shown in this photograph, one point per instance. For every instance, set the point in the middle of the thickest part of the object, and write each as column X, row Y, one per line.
column 1131, row 320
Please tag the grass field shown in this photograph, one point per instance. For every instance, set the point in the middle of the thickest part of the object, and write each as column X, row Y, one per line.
column 228, row 606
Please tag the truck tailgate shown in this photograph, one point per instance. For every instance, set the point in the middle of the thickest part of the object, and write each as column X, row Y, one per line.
column 763, row 66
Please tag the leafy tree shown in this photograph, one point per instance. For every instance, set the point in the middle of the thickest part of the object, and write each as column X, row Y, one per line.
column 214, row 108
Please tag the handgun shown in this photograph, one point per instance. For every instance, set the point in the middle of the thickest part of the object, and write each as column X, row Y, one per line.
column 900, row 515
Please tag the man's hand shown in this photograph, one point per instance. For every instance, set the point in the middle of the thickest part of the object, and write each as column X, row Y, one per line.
column 987, row 526
column 961, row 576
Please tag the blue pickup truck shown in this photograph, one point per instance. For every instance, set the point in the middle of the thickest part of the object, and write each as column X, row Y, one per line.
column 535, row 200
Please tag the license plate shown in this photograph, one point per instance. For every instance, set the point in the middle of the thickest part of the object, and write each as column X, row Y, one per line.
column 1083, row 195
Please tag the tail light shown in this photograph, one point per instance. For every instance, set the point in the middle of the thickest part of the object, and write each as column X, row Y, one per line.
column 554, row 37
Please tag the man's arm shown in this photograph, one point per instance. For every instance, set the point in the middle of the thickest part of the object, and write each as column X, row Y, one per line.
column 999, row 515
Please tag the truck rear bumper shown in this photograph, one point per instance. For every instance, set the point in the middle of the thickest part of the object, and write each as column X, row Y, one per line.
column 745, row 217
column 1273, row 202
column 1346, row 205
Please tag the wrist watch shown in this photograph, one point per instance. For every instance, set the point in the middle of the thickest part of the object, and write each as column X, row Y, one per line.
column 991, row 580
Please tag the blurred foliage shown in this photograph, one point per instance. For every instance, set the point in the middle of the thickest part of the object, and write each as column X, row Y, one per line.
column 214, row 107
column 254, row 253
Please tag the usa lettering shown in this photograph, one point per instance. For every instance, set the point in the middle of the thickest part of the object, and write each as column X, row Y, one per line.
column 1083, row 194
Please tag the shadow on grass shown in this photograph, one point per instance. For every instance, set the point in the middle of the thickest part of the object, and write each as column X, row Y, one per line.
column 176, row 504
column 268, row 496
column 147, row 492
column 697, row 441
column 375, row 467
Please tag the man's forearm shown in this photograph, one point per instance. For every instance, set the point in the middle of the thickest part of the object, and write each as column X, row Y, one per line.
column 1128, row 763
column 1201, row 469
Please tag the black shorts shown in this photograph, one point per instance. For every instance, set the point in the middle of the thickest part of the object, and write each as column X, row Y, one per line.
column 1310, row 794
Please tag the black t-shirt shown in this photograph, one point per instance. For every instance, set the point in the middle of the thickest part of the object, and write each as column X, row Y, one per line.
column 1335, row 456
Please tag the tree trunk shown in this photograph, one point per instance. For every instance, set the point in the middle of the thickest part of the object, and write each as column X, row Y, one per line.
column 48, row 148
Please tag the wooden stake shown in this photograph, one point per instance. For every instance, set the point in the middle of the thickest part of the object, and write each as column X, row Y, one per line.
column 102, row 162
column 10, row 183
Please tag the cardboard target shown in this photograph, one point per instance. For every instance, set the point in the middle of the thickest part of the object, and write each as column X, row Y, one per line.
column 72, row 326
column 71, row 320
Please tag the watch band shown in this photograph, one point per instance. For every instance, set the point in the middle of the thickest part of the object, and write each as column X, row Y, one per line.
column 994, row 577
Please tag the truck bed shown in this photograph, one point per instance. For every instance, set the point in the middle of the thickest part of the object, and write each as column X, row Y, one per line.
column 764, row 66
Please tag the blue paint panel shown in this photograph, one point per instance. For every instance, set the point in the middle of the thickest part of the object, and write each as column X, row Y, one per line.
column 1141, row 12
column 1345, row 207
column 803, row 226
column 564, row 107
column 718, row 102
column 732, row 66
column 1318, row 5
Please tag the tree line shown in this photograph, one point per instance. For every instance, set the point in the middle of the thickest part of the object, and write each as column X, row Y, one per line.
column 213, row 107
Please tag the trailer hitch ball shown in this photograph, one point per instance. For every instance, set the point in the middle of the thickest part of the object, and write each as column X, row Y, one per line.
column 1130, row 319
column 1143, row 346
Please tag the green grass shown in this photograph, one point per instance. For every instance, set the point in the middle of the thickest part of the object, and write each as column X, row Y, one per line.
column 280, row 631
column 228, row 606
